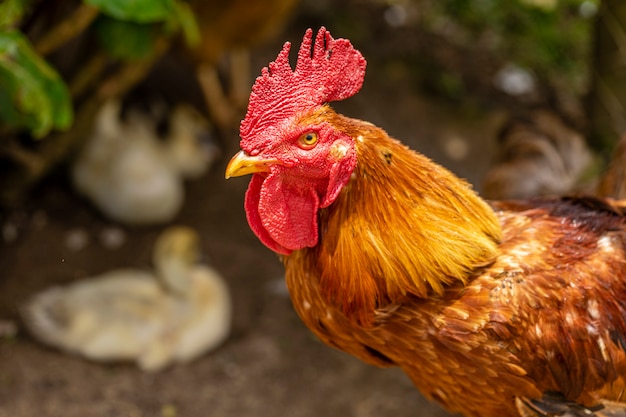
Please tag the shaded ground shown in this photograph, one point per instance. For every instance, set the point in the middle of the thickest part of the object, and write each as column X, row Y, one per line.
column 272, row 365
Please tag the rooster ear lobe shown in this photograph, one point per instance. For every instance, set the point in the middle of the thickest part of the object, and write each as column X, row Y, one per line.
column 344, row 154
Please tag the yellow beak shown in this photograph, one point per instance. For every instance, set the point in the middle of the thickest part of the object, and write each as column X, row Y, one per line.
column 244, row 164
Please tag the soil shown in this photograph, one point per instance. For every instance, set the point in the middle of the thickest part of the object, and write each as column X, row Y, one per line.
column 271, row 365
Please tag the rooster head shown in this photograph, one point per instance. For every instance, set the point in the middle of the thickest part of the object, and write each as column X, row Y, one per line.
column 299, row 160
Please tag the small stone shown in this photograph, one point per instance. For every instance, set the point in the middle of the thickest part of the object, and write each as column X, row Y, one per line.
column 277, row 286
column 8, row 328
column 456, row 148
column 112, row 237
column 76, row 240
column 9, row 232
column 396, row 15
column 39, row 219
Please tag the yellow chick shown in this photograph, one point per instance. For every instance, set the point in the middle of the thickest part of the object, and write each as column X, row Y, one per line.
column 172, row 316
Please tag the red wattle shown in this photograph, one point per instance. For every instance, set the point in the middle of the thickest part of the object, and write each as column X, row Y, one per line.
column 283, row 217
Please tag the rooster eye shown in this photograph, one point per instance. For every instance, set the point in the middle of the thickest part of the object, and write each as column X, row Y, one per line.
column 308, row 140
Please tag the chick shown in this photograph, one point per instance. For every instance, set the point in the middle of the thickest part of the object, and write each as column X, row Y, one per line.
column 190, row 147
column 132, row 175
column 172, row 316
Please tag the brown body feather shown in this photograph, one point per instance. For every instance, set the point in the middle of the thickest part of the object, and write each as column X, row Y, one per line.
column 479, row 305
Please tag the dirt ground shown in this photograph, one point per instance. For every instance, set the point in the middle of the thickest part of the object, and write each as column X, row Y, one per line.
column 271, row 365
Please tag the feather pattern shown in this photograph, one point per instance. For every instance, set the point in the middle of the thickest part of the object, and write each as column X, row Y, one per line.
column 543, row 313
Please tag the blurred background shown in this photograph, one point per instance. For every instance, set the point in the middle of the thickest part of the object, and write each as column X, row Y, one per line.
column 117, row 120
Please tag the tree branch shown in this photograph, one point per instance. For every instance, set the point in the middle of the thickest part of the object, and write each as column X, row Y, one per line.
column 67, row 29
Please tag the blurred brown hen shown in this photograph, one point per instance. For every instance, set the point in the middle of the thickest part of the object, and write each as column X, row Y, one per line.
column 493, row 310
column 538, row 155
column 230, row 27
column 613, row 182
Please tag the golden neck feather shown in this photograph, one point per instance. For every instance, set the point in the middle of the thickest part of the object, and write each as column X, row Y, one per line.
column 402, row 225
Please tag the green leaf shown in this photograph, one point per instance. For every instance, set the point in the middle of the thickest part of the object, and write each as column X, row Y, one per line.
column 11, row 11
column 20, row 100
column 175, row 14
column 140, row 11
column 32, row 94
column 186, row 19
column 125, row 40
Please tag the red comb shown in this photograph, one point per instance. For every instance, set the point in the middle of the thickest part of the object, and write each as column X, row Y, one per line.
column 333, row 70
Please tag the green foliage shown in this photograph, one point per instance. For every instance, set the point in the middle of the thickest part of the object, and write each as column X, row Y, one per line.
column 32, row 94
column 140, row 11
column 128, row 29
column 174, row 14
column 125, row 40
column 11, row 11
column 185, row 19
column 552, row 38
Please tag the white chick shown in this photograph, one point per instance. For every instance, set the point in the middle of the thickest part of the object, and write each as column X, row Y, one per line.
column 189, row 145
column 132, row 175
column 132, row 315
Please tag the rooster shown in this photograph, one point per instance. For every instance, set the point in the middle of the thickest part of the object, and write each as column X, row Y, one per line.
column 492, row 309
